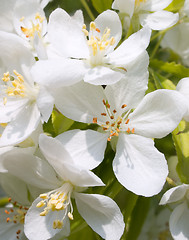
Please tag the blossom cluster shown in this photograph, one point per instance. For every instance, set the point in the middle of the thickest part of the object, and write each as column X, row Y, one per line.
column 92, row 73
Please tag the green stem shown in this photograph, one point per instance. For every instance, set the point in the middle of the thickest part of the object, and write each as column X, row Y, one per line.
column 88, row 10
column 157, row 46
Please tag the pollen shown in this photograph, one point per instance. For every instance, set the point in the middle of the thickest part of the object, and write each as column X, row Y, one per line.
column 35, row 28
column 57, row 200
column 14, row 85
column 98, row 42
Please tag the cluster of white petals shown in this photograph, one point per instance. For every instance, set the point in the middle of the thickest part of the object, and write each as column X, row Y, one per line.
column 91, row 74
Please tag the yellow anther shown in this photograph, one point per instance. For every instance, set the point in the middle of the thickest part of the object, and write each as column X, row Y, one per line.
column 85, row 32
column 43, row 196
column 22, row 19
column 84, row 26
column 6, row 77
column 92, row 26
column 70, row 215
column 3, row 125
column 40, row 204
column 59, row 206
column 57, row 224
column 44, row 213
column 4, row 100
column 38, row 16
column 112, row 41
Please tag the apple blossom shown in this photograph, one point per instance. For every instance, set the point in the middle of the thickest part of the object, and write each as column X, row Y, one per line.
column 92, row 52
column 154, row 116
column 178, row 222
column 149, row 12
column 51, row 211
column 23, row 103
column 27, row 19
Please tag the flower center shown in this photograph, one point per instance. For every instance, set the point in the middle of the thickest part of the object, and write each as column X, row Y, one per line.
column 16, row 215
column 36, row 26
column 138, row 2
column 15, row 86
column 98, row 43
column 114, row 122
column 57, row 200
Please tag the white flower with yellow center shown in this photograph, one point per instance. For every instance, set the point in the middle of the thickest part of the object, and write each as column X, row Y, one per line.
column 178, row 222
column 23, row 103
column 27, row 19
column 92, row 49
column 130, row 119
column 62, row 179
column 149, row 12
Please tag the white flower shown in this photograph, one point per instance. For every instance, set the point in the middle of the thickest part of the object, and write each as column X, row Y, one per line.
column 176, row 39
column 91, row 52
column 27, row 19
column 156, row 114
column 179, row 218
column 51, row 211
column 23, row 103
column 183, row 88
column 149, row 12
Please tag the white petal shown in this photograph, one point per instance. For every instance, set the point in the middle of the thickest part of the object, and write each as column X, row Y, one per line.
column 22, row 126
column 80, row 102
column 131, row 48
column 59, row 158
column 183, row 88
column 15, row 188
column 155, row 5
column 124, row 6
column 158, row 114
column 174, row 194
column 110, row 19
column 15, row 58
column 78, row 17
column 28, row 9
column 102, row 76
column 41, row 227
column 30, row 169
column 139, row 166
column 11, row 109
column 131, row 89
column 179, row 222
column 40, row 47
column 66, row 35
column 45, row 104
column 102, row 214
column 85, row 147
column 159, row 20
column 58, row 72
column 6, row 17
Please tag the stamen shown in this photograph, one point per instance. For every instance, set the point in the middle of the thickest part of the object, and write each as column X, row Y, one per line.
column 133, row 130
column 103, row 114
column 94, row 120
column 128, row 130
column 124, row 105
column 127, row 121
column 114, row 111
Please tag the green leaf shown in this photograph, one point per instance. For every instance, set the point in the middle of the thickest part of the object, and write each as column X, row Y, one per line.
column 162, row 82
column 138, row 217
column 181, row 141
column 177, row 70
column 102, row 5
column 60, row 122
column 175, row 6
